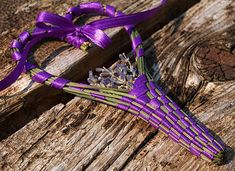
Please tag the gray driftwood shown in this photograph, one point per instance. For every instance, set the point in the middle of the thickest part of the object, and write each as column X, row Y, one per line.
column 195, row 63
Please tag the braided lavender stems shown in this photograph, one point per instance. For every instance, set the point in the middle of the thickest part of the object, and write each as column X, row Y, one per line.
column 145, row 99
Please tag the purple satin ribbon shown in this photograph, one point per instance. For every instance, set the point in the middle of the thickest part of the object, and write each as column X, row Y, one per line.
column 63, row 28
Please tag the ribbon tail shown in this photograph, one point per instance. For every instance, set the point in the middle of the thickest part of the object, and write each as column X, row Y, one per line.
column 54, row 20
column 14, row 75
column 130, row 19
column 49, row 22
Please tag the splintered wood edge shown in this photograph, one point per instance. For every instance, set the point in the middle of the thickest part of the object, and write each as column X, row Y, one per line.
column 82, row 135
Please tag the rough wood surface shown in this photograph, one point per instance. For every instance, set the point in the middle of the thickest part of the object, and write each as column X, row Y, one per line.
column 194, row 63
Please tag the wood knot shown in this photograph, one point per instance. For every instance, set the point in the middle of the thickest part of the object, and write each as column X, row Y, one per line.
column 215, row 61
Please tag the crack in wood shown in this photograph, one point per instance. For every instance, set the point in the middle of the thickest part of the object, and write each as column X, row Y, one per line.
column 139, row 148
column 25, row 153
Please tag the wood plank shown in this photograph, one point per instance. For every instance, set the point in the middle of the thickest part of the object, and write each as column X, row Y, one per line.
column 69, row 133
column 68, row 61
column 98, row 137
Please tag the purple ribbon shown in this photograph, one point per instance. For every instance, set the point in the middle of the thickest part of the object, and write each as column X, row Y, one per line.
column 73, row 34
column 63, row 28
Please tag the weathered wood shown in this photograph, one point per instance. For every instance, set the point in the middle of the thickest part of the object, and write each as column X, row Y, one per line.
column 69, row 133
column 84, row 135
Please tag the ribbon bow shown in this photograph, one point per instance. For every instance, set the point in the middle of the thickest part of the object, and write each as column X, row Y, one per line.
column 73, row 34
column 63, row 28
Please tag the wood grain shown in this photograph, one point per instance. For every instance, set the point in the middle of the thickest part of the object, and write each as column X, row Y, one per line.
column 80, row 134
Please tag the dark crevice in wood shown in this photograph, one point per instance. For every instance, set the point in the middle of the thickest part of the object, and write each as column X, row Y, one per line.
column 27, row 113
column 192, row 96
column 138, row 149
column 95, row 156
column 118, row 124
column 32, row 146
